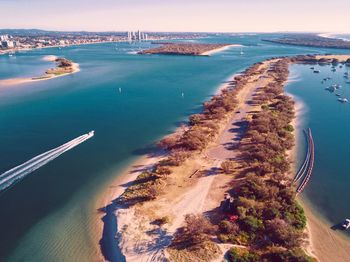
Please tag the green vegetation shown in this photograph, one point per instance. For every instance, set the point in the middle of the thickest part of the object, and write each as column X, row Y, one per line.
column 64, row 66
column 267, row 214
column 262, row 213
column 202, row 129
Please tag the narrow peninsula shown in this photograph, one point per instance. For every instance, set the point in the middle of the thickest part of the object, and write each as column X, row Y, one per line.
column 224, row 185
column 311, row 40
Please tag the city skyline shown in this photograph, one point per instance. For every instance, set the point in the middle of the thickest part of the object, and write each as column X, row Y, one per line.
column 182, row 16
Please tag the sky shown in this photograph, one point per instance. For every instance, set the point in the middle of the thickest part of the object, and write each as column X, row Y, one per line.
column 178, row 15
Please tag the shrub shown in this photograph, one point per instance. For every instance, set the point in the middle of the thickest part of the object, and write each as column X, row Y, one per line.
column 197, row 229
column 252, row 224
column 228, row 166
column 228, row 227
column 242, row 255
column 162, row 221
column 282, row 255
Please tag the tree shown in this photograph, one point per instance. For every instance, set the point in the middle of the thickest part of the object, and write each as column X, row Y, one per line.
column 198, row 228
column 228, row 166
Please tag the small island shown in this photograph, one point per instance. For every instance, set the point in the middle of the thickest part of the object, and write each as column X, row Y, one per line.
column 189, row 49
column 63, row 67
column 311, row 40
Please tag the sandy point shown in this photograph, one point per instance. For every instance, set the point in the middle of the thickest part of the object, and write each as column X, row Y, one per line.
column 211, row 52
column 50, row 58
column 24, row 80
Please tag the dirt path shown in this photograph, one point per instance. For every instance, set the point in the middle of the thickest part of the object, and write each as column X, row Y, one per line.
column 204, row 193
column 230, row 138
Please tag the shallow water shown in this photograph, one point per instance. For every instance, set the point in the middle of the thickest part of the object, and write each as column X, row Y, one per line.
column 328, row 189
column 48, row 215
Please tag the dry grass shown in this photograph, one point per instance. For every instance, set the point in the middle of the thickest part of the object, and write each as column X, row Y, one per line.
column 207, row 251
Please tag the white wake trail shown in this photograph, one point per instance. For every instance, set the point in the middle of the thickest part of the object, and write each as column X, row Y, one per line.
column 13, row 175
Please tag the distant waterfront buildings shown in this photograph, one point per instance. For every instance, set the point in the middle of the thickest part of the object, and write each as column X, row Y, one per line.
column 6, row 42
column 137, row 36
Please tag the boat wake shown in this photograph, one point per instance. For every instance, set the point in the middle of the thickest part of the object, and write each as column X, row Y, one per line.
column 17, row 173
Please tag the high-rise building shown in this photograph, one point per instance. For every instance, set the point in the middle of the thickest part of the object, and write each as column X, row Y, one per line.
column 139, row 36
column 136, row 36
column 4, row 37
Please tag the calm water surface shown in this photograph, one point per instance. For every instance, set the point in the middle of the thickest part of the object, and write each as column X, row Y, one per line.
column 48, row 215
column 328, row 190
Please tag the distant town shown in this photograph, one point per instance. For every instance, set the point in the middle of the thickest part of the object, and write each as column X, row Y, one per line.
column 15, row 40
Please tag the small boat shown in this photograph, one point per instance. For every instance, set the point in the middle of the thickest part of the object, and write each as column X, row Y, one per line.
column 316, row 71
column 325, row 79
column 338, row 94
column 333, row 70
column 336, row 86
column 312, row 68
column 346, row 224
column 241, row 52
column 343, row 100
column 330, row 89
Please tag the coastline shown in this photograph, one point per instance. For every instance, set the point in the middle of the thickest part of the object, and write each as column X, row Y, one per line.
column 211, row 52
column 46, row 76
column 119, row 184
column 199, row 194
column 116, row 188
column 323, row 243
column 4, row 52
column 333, row 36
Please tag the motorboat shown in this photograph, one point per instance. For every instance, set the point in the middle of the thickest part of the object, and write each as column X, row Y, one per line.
column 346, row 224
column 330, row 89
column 343, row 100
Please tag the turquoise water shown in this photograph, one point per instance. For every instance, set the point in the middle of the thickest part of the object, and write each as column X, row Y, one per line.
column 48, row 215
column 328, row 190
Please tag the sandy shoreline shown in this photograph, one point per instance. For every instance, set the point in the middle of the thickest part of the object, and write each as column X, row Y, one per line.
column 196, row 195
column 117, row 185
column 323, row 243
column 24, row 80
column 211, row 52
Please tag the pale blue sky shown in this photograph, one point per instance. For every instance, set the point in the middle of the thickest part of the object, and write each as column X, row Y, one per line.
column 178, row 15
